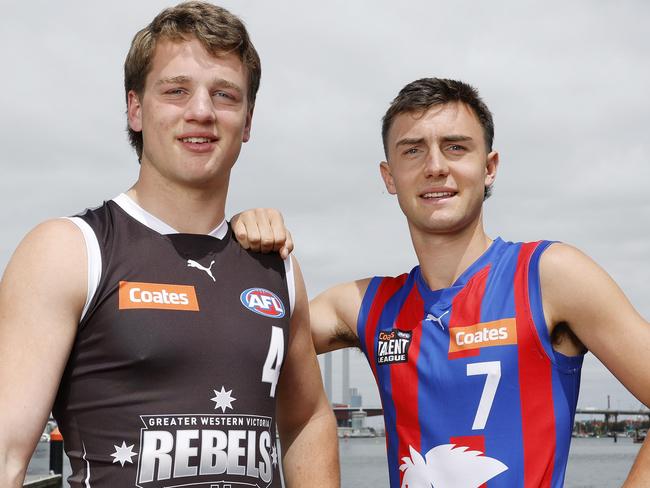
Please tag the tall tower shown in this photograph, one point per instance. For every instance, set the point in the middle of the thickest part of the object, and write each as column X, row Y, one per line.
column 345, row 380
column 328, row 376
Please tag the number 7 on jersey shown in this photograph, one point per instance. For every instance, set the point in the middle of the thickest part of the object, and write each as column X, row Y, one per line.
column 492, row 370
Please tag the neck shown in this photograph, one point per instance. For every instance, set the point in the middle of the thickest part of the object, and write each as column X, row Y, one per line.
column 192, row 210
column 444, row 257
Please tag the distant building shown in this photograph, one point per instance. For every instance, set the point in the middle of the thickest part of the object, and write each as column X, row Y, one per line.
column 356, row 400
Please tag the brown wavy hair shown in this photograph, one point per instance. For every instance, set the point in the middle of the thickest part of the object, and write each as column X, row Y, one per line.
column 218, row 30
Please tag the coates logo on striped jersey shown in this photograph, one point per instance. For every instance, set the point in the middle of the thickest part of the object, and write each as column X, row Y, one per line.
column 485, row 334
column 263, row 302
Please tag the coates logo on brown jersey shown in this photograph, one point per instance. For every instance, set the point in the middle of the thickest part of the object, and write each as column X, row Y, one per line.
column 162, row 296
column 393, row 346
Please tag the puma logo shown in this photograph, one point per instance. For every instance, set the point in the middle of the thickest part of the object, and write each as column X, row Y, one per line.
column 193, row 264
column 433, row 318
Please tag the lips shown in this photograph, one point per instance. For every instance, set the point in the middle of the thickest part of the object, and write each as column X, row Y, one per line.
column 198, row 142
column 438, row 194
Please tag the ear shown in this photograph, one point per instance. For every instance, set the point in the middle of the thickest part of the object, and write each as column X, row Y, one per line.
column 247, row 127
column 134, row 111
column 491, row 168
column 387, row 176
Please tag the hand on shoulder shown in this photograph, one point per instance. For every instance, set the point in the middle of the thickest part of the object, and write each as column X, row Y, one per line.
column 262, row 230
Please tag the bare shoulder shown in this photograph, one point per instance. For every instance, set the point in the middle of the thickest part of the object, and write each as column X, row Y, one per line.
column 51, row 261
column 561, row 258
column 56, row 233
column 566, row 272
column 578, row 294
column 351, row 292
column 347, row 298
column 334, row 315
column 57, row 242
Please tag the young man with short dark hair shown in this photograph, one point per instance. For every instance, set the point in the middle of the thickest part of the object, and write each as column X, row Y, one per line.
column 477, row 351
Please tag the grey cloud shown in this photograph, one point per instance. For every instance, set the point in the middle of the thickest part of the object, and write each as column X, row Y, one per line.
column 567, row 83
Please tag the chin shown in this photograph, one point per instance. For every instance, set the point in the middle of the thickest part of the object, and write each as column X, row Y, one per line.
column 440, row 226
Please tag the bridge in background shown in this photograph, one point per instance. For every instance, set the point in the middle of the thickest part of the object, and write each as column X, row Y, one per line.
column 345, row 412
column 610, row 413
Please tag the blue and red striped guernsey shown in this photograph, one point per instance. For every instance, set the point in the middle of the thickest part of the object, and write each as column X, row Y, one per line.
column 472, row 391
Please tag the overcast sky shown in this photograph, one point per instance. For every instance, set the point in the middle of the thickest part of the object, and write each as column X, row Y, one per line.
column 567, row 83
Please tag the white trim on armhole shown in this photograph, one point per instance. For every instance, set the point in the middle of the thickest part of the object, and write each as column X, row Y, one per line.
column 291, row 284
column 94, row 260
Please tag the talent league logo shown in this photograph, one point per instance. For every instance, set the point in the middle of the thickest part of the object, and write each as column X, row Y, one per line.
column 393, row 346
column 262, row 302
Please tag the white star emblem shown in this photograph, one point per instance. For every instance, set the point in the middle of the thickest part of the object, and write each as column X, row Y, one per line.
column 223, row 399
column 123, row 454
column 274, row 456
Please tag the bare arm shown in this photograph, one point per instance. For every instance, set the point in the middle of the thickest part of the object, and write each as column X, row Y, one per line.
column 305, row 419
column 333, row 316
column 41, row 297
column 580, row 294
column 638, row 477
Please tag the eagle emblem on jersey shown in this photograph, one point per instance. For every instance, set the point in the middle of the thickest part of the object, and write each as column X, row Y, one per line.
column 449, row 466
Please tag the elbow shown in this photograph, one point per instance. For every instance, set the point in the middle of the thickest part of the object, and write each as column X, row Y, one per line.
column 322, row 421
column 13, row 467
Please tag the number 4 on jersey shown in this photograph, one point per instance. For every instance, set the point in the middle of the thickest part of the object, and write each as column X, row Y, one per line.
column 273, row 363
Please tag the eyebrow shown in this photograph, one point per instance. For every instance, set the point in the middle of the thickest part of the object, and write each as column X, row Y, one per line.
column 456, row 138
column 182, row 79
column 220, row 82
column 409, row 141
column 173, row 80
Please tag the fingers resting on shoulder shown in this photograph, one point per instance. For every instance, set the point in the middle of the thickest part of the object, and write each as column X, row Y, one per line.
column 262, row 230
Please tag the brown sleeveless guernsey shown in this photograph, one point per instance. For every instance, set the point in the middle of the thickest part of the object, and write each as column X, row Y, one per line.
column 172, row 376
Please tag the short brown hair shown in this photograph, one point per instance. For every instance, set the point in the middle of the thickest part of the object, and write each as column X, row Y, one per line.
column 420, row 95
column 216, row 28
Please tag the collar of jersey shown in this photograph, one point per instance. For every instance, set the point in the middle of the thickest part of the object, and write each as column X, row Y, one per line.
column 127, row 204
column 444, row 296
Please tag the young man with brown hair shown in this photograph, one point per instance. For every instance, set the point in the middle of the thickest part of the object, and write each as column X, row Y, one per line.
column 477, row 351
column 165, row 348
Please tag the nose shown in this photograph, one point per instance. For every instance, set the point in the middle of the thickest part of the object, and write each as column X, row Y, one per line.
column 200, row 108
column 436, row 164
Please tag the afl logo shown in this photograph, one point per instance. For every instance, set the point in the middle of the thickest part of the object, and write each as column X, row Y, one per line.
column 263, row 302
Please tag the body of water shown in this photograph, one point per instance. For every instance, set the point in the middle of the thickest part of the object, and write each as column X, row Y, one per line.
column 593, row 463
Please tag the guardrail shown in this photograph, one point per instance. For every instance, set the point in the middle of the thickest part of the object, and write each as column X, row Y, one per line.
column 52, row 481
